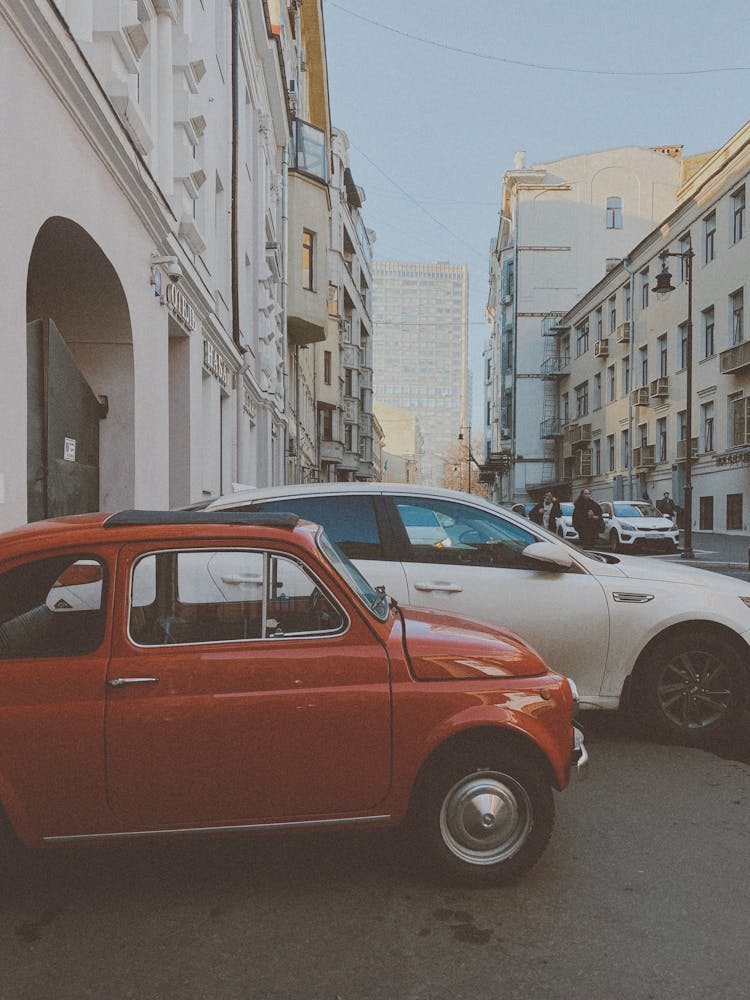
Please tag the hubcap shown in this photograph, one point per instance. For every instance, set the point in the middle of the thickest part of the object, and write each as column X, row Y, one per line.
column 695, row 690
column 485, row 818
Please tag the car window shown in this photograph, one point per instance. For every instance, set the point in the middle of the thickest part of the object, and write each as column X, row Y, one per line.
column 52, row 607
column 349, row 521
column 226, row 595
column 566, row 509
column 468, row 535
column 632, row 510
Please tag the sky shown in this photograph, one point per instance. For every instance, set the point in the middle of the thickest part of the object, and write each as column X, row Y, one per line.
column 437, row 96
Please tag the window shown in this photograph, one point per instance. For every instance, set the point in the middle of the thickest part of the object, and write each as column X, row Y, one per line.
column 643, row 363
column 625, row 376
column 706, row 515
column 582, row 338
column 207, row 595
column 737, row 215
column 612, row 314
column 349, row 521
column 682, row 425
column 611, row 452
column 596, row 457
column 708, row 346
column 626, row 303
column 327, row 367
column 598, row 391
column 599, row 324
column 564, row 408
column 734, row 511
column 349, row 437
column 614, row 213
column 52, row 607
column 582, row 399
column 448, row 533
column 644, row 288
column 736, row 308
column 308, row 254
column 625, row 449
column 707, row 427
column 326, row 423
column 709, row 237
column 348, row 382
column 611, row 384
column 739, row 420
column 682, row 345
column 642, row 435
column 685, row 243
column 662, row 354
column 661, row 439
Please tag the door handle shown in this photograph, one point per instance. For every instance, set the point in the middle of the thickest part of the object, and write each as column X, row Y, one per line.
column 117, row 682
column 448, row 588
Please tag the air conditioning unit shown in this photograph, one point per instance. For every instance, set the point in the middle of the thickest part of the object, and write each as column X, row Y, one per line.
column 622, row 333
column 639, row 397
column 601, row 349
column 582, row 463
column 645, row 456
column 659, row 388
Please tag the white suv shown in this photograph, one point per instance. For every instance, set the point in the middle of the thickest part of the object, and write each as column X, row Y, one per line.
column 668, row 638
column 637, row 524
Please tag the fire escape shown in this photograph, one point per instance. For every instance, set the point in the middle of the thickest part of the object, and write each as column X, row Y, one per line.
column 555, row 363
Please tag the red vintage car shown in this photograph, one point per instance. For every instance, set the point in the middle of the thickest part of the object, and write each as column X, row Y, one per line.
column 183, row 672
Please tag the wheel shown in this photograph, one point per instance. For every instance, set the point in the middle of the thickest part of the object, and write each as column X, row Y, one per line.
column 484, row 818
column 614, row 541
column 694, row 687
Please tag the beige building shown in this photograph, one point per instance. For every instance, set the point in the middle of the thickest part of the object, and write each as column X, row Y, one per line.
column 622, row 398
column 403, row 445
column 563, row 223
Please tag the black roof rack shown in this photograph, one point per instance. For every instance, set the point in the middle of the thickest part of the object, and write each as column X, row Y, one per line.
column 136, row 518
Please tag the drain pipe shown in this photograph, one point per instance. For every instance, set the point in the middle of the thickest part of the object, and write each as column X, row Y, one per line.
column 630, row 374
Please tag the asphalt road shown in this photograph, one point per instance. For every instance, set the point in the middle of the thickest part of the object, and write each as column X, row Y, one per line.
column 640, row 896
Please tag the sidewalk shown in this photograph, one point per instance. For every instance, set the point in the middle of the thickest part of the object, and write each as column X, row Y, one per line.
column 715, row 550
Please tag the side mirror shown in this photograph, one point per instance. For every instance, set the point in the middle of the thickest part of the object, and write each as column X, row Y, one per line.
column 553, row 556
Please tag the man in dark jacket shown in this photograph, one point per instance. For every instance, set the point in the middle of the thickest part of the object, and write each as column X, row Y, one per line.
column 587, row 519
column 666, row 505
column 546, row 512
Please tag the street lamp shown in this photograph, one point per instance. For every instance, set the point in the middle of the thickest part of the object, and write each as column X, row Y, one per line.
column 471, row 458
column 662, row 288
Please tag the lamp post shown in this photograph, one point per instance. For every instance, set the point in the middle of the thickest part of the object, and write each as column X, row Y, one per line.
column 662, row 288
column 471, row 458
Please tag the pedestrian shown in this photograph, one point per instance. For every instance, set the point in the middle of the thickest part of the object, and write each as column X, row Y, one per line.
column 546, row 512
column 667, row 506
column 587, row 519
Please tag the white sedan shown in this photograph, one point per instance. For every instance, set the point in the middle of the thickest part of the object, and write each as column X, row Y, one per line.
column 669, row 640
column 632, row 524
column 564, row 525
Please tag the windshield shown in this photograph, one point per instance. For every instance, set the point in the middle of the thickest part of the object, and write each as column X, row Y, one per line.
column 375, row 600
column 567, row 509
column 636, row 510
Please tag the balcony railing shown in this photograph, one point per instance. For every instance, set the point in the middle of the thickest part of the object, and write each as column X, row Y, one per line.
column 552, row 325
column 550, row 428
column 645, row 456
column 735, row 358
column 555, row 365
column 682, row 448
column 575, row 434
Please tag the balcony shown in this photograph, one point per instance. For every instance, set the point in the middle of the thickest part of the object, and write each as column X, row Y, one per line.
column 555, row 366
column 639, row 397
column 601, row 348
column 310, row 154
column 576, row 434
column 682, row 448
column 551, row 428
column 735, row 358
column 582, row 466
column 332, row 452
column 659, row 388
column 552, row 325
column 644, row 457
column 622, row 333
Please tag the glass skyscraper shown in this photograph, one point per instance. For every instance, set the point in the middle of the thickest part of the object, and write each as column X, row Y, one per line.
column 420, row 315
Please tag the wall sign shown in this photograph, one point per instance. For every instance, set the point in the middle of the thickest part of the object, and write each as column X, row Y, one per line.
column 69, row 450
column 214, row 363
column 734, row 458
column 179, row 306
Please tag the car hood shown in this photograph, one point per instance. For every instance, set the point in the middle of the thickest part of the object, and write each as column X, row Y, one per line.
column 446, row 647
column 662, row 523
column 673, row 571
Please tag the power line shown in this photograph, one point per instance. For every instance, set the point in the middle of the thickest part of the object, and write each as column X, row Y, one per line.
column 532, row 65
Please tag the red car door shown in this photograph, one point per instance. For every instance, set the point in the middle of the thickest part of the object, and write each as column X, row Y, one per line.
column 212, row 719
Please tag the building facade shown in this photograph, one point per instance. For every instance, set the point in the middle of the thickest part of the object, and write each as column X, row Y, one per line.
column 166, row 168
column 562, row 224
column 622, row 400
column 421, row 353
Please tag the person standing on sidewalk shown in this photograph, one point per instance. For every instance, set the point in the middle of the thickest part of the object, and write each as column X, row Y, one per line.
column 546, row 512
column 667, row 505
column 587, row 519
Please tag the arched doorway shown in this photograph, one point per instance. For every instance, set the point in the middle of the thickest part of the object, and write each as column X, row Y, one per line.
column 80, row 377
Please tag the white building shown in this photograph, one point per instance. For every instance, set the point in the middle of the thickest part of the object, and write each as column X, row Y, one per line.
column 142, row 312
column 623, row 399
column 562, row 225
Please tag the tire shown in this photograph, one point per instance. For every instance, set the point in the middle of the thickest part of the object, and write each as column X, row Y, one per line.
column 694, row 688
column 614, row 541
column 484, row 818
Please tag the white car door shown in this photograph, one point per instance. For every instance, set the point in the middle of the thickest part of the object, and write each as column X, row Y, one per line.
column 477, row 570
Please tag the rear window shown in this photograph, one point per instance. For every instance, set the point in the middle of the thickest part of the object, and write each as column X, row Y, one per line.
column 349, row 521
